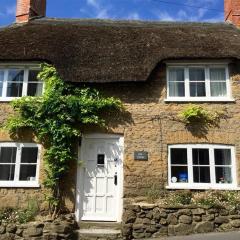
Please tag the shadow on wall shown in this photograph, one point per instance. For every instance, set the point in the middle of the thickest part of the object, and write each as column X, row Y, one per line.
column 146, row 91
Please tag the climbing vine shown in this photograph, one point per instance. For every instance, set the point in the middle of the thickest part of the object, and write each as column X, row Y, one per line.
column 57, row 119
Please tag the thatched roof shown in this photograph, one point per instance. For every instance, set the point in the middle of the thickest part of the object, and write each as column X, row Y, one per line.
column 108, row 51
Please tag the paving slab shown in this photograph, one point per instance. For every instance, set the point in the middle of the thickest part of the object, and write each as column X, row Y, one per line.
column 208, row 236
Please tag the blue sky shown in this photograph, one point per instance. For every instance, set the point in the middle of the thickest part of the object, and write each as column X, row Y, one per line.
column 125, row 9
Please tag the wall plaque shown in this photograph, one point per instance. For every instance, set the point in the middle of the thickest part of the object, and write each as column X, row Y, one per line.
column 141, row 155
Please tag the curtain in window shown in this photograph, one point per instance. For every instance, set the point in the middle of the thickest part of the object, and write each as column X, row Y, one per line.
column 176, row 82
column 197, row 82
column 35, row 86
column 223, row 165
column 218, row 82
column 15, row 82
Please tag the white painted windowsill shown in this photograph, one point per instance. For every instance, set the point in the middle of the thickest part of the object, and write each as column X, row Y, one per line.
column 199, row 100
column 202, row 187
column 7, row 184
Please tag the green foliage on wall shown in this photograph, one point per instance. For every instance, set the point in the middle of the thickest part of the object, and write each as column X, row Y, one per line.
column 194, row 114
column 57, row 119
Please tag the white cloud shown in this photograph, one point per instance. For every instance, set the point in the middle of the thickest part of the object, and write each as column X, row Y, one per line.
column 93, row 3
column 98, row 9
column 103, row 13
column 190, row 14
column 133, row 16
column 182, row 14
column 165, row 16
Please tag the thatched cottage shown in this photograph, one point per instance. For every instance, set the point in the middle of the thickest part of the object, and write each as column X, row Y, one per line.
column 156, row 69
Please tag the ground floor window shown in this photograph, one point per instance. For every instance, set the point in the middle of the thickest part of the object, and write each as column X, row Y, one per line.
column 201, row 166
column 19, row 164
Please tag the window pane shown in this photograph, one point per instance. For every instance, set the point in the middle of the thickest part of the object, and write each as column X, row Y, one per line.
column 201, row 174
column 200, row 156
column 28, row 172
column 100, row 159
column 29, row 155
column 34, row 89
column 1, row 81
column 223, row 175
column 176, row 74
column 178, row 156
column 222, row 156
column 14, row 89
column 176, row 89
column 7, row 172
column 218, row 89
column 15, row 75
column 217, row 74
column 32, row 77
column 197, row 89
column 196, row 74
column 8, row 154
column 179, row 174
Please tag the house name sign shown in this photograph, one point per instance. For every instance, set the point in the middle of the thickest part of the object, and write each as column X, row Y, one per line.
column 141, row 155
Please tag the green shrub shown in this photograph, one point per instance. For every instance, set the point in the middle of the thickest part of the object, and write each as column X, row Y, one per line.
column 12, row 215
column 217, row 199
column 183, row 198
column 211, row 198
column 29, row 213
column 154, row 193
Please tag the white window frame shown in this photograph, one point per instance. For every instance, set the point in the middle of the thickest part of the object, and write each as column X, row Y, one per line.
column 208, row 97
column 16, row 182
column 213, row 185
column 25, row 68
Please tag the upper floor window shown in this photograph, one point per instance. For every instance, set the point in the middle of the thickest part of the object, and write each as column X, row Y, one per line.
column 18, row 81
column 198, row 83
column 19, row 164
column 201, row 166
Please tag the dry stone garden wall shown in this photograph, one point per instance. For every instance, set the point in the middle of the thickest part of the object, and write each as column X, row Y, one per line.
column 62, row 228
column 152, row 221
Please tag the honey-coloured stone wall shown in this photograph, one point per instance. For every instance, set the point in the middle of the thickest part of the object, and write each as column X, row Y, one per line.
column 148, row 123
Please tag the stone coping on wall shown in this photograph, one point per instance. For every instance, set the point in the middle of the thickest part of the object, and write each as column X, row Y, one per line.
column 152, row 220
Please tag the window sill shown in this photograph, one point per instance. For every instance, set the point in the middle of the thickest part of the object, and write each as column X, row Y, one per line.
column 7, row 184
column 9, row 99
column 204, row 187
column 199, row 100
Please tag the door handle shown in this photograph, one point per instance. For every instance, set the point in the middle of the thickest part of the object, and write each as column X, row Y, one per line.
column 115, row 179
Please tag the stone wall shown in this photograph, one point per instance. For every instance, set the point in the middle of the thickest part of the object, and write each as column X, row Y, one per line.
column 61, row 228
column 145, row 221
column 146, row 125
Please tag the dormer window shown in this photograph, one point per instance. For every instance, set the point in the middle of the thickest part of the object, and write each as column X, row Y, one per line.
column 17, row 81
column 193, row 82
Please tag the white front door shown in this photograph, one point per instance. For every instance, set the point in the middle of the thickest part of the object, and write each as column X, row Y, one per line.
column 100, row 178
